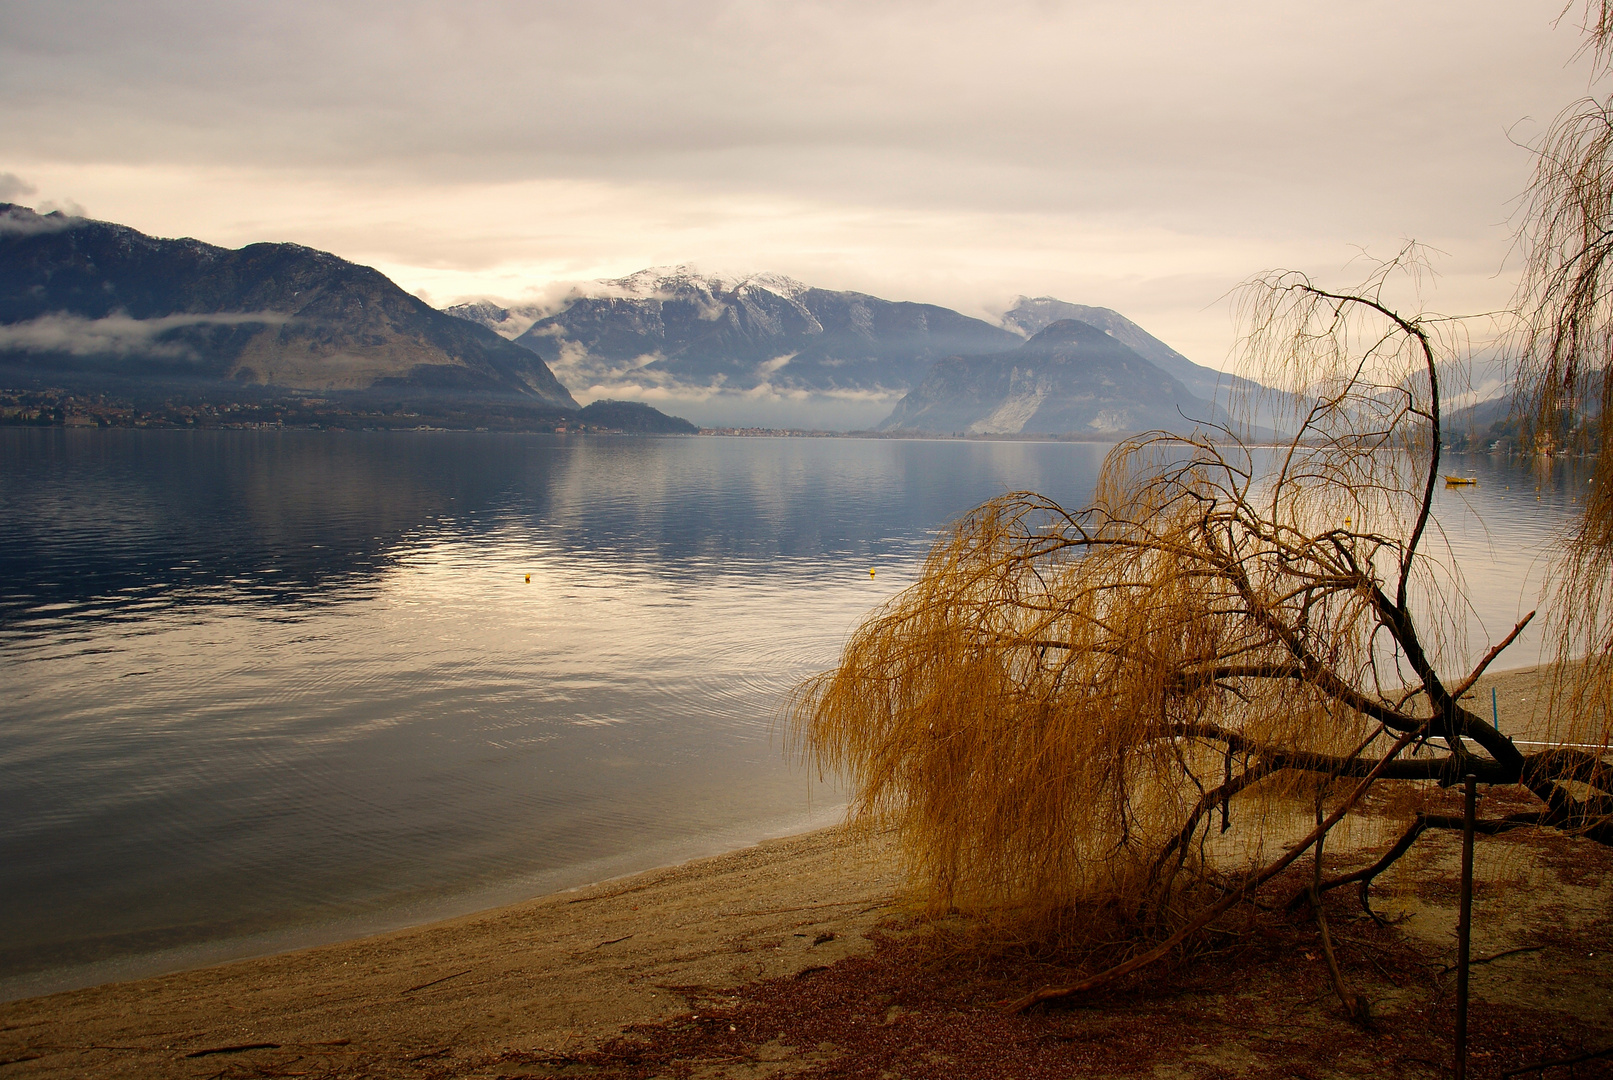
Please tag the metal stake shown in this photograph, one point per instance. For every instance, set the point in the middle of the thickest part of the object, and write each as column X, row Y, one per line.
column 1464, row 924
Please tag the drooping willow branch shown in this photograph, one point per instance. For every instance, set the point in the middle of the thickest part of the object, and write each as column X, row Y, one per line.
column 1051, row 715
column 1562, row 365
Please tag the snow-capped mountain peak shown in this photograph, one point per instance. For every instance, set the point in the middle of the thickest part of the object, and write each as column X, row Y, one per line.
column 720, row 343
column 778, row 284
column 664, row 282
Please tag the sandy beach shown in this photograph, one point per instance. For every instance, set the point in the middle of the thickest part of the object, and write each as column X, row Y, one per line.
column 549, row 975
column 532, row 989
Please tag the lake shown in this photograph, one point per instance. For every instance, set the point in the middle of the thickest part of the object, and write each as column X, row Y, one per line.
column 269, row 689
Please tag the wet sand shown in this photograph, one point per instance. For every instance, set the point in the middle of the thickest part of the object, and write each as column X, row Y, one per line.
column 550, row 975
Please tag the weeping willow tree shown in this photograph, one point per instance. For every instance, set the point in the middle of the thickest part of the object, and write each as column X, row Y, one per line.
column 1565, row 362
column 1068, row 711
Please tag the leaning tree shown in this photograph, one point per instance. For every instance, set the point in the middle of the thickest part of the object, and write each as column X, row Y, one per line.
column 1069, row 709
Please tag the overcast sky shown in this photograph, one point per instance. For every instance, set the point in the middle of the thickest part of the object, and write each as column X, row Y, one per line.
column 1145, row 157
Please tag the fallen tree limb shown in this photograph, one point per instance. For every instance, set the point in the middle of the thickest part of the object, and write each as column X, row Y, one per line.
column 1423, row 822
column 1355, row 1006
column 1220, row 907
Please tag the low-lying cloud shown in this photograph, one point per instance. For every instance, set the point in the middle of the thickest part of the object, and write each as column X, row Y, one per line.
column 14, row 187
column 120, row 335
column 22, row 221
column 757, row 406
column 765, row 402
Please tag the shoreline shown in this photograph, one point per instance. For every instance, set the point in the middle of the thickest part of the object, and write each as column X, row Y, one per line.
column 553, row 972
column 409, row 912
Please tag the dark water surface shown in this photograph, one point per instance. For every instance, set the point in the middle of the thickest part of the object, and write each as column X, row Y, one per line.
column 268, row 688
column 263, row 689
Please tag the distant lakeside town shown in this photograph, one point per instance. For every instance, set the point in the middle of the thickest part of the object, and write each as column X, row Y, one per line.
column 54, row 407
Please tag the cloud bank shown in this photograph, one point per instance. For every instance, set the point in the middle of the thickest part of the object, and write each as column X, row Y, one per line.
column 22, row 221
column 1140, row 157
column 13, row 187
column 119, row 335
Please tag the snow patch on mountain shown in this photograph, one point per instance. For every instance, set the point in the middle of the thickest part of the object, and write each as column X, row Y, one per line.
column 507, row 322
column 667, row 282
column 720, row 347
column 512, row 318
column 767, row 367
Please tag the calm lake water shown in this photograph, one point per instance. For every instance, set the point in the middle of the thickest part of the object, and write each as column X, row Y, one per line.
column 265, row 689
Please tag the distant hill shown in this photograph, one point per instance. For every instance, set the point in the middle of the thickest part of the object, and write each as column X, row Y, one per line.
column 1029, row 316
column 634, row 417
column 93, row 305
column 1502, row 420
column 1069, row 378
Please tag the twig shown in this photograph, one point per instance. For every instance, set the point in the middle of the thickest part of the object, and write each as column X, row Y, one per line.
column 1367, row 874
column 1355, row 1006
column 1467, row 684
column 806, row 907
column 613, row 941
column 1491, row 959
column 615, row 894
column 434, row 982
column 242, row 1048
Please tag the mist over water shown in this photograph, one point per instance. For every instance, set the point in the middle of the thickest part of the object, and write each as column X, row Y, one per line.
column 271, row 688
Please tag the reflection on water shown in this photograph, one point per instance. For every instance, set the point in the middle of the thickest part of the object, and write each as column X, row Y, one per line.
column 270, row 688
column 1501, row 535
column 265, row 688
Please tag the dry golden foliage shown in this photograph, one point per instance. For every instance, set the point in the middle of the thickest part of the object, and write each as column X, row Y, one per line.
column 1063, row 714
column 1565, row 362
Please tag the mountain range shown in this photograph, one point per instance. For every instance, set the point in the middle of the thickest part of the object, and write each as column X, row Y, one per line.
column 732, row 349
column 761, row 348
column 93, row 305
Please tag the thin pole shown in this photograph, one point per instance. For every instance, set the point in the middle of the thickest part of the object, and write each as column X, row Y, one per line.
column 1464, row 924
column 1495, row 711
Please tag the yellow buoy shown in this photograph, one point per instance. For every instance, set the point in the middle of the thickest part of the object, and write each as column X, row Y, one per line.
column 529, row 579
column 870, row 571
